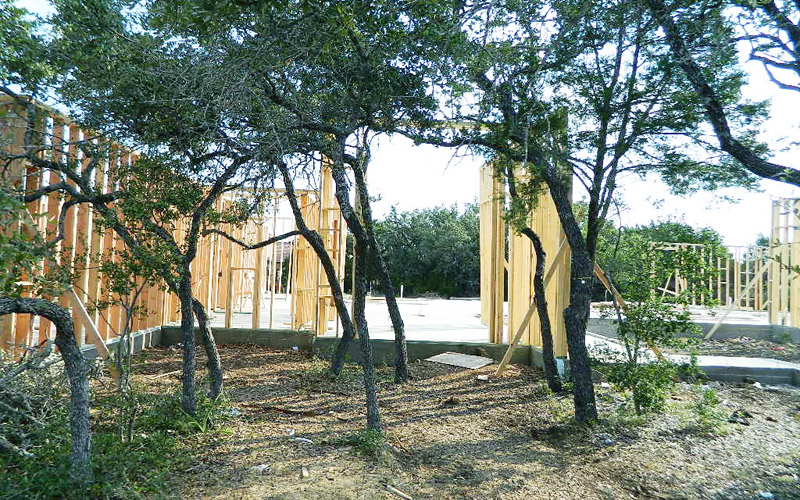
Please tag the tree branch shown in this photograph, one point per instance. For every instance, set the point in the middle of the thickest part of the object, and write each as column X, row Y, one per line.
column 254, row 246
column 714, row 109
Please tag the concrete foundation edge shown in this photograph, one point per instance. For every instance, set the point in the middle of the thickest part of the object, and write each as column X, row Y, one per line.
column 383, row 351
column 607, row 328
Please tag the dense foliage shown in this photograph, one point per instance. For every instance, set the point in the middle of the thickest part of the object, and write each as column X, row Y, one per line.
column 564, row 93
column 651, row 320
column 432, row 250
column 162, row 440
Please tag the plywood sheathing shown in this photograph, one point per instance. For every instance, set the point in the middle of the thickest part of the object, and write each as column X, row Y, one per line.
column 492, row 253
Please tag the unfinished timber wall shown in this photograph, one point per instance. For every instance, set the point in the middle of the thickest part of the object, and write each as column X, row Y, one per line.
column 736, row 275
column 784, row 263
column 83, row 246
column 225, row 276
column 755, row 278
column 513, row 276
column 744, row 278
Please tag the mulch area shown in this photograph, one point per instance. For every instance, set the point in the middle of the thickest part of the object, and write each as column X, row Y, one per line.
column 450, row 435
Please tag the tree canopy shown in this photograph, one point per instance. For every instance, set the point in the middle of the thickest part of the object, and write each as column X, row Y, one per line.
column 432, row 250
column 558, row 93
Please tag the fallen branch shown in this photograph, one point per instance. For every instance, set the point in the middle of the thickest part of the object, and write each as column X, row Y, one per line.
column 154, row 377
column 394, row 491
column 22, row 414
column 7, row 445
column 288, row 411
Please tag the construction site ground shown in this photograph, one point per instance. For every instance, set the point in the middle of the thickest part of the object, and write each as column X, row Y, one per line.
column 451, row 435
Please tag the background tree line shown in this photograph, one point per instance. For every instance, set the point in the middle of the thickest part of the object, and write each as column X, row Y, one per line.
column 436, row 250
column 429, row 251
column 618, row 248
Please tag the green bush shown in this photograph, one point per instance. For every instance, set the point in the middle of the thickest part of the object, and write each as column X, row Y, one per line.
column 710, row 418
column 651, row 320
column 648, row 383
column 161, row 442
column 368, row 441
column 691, row 372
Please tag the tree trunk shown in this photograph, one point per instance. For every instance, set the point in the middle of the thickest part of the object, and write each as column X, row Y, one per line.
column 77, row 372
column 363, row 236
column 549, row 360
column 359, row 302
column 213, row 364
column 539, row 296
column 575, row 316
column 188, row 396
column 400, row 348
column 314, row 239
column 577, row 313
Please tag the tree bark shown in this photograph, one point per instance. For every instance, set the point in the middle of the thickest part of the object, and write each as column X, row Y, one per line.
column 400, row 348
column 549, row 360
column 577, row 313
column 188, row 393
column 359, row 301
column 77, row 372
column 361, row 256
column 364, row 236
column 575, row 317
column 314, row 239
column 213, row 364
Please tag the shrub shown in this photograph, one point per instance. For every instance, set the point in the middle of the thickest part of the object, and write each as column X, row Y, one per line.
column 648, row 383
column 368, row 441
column 160, row 442
column 710, row 417
column 650, row 320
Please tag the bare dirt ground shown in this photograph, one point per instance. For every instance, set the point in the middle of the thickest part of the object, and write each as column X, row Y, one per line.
column 450, row 435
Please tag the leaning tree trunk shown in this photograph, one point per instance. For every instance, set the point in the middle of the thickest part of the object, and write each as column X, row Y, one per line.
column 213, row 364
column 548, row 358
column 359, row 303
column 575, row 316
column 313, row 238
column 188, row 393
column 364, row 238
column 400, row 347
column 77, row 372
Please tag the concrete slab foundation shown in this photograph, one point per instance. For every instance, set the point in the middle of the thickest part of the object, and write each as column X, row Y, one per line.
column 430, row 330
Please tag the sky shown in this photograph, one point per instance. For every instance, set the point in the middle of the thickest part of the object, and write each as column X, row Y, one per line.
column 410, row 177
